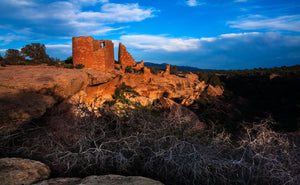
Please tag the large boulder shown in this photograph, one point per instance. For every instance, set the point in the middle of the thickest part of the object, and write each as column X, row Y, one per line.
column 16, row 171
column 118, row 180
column 214, row 91
column 57, row 82
column 60, row 181
column 18, row 107
column 27, row 92
column 181, row 114
column 97, row 77
column 101, row 180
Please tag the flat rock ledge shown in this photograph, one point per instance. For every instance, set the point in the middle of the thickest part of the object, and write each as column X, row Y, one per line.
column 17, row 171
column 102, row 180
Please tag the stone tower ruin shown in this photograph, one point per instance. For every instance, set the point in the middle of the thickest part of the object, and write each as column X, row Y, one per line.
column 93, row 54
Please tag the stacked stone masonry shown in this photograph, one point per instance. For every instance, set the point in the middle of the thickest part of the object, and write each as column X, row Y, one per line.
column 93, row 54
column 125, row 59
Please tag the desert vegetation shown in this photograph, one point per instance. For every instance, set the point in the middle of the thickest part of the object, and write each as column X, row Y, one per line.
column 160, row 144
column 35, row 54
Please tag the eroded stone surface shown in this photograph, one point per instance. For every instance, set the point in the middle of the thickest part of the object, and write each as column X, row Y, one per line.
column 17, row 171
column 150, row 86
column 26, row 92
column 60, row 181
column 17, row 107
column 118, row 180
column 214, row 91
column 101, row 180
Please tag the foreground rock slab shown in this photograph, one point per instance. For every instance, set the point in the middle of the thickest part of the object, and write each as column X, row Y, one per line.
column 118, row 180
column 16, row 171
column 27, row 92
column 60, row 181
column 102, row 180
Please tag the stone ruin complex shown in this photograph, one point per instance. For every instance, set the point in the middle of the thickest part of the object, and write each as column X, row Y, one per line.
column 99, row 55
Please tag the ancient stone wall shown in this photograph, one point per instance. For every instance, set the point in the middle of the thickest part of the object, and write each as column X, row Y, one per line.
column 93, row 54
column 125, row 59
column 140, row 65
column 167, row 72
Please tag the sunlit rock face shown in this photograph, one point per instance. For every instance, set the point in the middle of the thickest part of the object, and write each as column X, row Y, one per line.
column 28, row 92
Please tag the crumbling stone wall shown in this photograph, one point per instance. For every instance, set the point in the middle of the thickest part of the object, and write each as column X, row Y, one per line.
column 140, row 65
column 93, row 54
column 167, row 72
column 147, row 72
column 125, row 59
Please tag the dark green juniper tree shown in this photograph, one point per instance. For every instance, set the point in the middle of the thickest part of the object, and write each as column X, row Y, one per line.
column 37, row 52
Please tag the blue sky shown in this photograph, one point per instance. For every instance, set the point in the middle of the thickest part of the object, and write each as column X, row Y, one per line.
column 214, row 34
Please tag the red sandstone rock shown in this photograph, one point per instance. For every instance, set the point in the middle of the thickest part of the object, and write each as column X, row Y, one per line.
column 93, row 54
column 214, row 91
column 147, row 72
column 125, row 59
column 26, row 92
column 167, row 72
column 140, row 65
column 192, row 76
column 180, row 113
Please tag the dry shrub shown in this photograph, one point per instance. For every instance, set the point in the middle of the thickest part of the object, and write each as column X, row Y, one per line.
column 169, row 150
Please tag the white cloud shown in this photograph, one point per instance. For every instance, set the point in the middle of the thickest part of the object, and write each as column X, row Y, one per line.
column 89, row 2
column 20, row 2
column 151, row 42
column 112, row 12
column 235, row 35
column 58, row 46
column 193, row 3
column 69, row 18
column 161, row 42
column 287, row 23
column 239, row 1
column 6, row 39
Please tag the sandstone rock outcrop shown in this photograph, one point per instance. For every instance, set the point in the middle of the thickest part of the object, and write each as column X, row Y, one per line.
column 101, row 180
column 147, row 72
column 193, row 77
column 214, row 91
column 17, row 171
column 96, row 77
column 60, row 181
column 17, row 107
column 150, row 86
column 180, row 113
column 118, row 180
column 26, row 92
column 125, row 59
column 93, row 54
